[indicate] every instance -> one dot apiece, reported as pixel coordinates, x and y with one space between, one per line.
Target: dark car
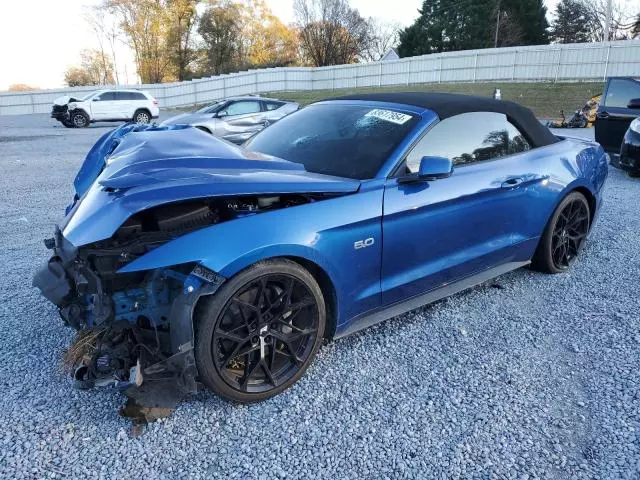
619 106
198 261
629 159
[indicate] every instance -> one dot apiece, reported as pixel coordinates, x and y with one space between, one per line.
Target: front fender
322 232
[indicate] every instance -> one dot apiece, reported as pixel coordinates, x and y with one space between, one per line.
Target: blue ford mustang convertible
184 259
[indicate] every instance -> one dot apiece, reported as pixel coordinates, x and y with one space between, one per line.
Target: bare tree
384 36
144 25
621 20
509 33
106 32
221 31
331 32
94 69
182 16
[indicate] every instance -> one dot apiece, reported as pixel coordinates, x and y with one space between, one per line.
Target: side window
620 91
243 107
272 105
469 137
106 96
213 108
130 96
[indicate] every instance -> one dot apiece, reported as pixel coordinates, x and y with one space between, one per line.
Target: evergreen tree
446 25
572 23
449 25
531 17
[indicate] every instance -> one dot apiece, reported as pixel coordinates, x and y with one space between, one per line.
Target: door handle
512 182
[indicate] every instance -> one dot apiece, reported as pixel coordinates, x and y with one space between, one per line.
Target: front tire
564 235
259 333
80 119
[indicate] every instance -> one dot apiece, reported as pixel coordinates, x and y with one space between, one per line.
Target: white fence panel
555 63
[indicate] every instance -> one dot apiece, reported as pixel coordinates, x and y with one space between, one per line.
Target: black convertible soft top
449 104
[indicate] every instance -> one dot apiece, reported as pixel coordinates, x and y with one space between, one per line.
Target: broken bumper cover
53 282
143 323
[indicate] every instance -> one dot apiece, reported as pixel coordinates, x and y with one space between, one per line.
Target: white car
106 106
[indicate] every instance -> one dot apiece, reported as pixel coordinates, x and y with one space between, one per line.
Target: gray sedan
236 119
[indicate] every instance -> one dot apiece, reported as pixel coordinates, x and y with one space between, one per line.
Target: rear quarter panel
572 164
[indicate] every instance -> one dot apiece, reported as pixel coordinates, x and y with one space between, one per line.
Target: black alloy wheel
564 235
265 334
569 233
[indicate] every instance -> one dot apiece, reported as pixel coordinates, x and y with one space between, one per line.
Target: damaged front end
135 329
120 272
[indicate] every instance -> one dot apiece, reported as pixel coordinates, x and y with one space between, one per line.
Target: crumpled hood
146 167
64 100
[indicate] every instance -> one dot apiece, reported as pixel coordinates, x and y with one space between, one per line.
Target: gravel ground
530 376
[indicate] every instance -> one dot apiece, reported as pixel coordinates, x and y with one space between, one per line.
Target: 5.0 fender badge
367 242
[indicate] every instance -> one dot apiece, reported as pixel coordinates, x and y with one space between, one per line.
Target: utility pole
495 40
607 21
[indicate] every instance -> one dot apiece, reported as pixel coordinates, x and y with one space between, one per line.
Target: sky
56 33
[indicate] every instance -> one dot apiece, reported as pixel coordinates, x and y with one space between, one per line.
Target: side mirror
221 114
634 103
431 168
95 99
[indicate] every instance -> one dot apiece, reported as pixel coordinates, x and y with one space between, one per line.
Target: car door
124 105
614 117
242 113
273 111
441 231
104 106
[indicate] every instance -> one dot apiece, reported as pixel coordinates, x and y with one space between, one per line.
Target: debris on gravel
528 376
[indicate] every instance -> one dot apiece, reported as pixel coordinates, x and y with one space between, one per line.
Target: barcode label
389 116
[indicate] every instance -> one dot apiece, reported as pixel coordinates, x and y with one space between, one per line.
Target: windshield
350 141
87 97
211 108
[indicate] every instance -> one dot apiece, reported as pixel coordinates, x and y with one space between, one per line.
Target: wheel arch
579 187
328 292
319 273
321 270
80 110
591 199
142 109
585 190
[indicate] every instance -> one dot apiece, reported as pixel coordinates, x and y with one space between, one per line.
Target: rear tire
142 116
258 334
564 235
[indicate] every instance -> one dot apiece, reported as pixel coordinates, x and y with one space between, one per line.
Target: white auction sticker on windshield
389 116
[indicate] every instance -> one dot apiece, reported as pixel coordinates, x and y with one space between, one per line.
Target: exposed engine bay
135 329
